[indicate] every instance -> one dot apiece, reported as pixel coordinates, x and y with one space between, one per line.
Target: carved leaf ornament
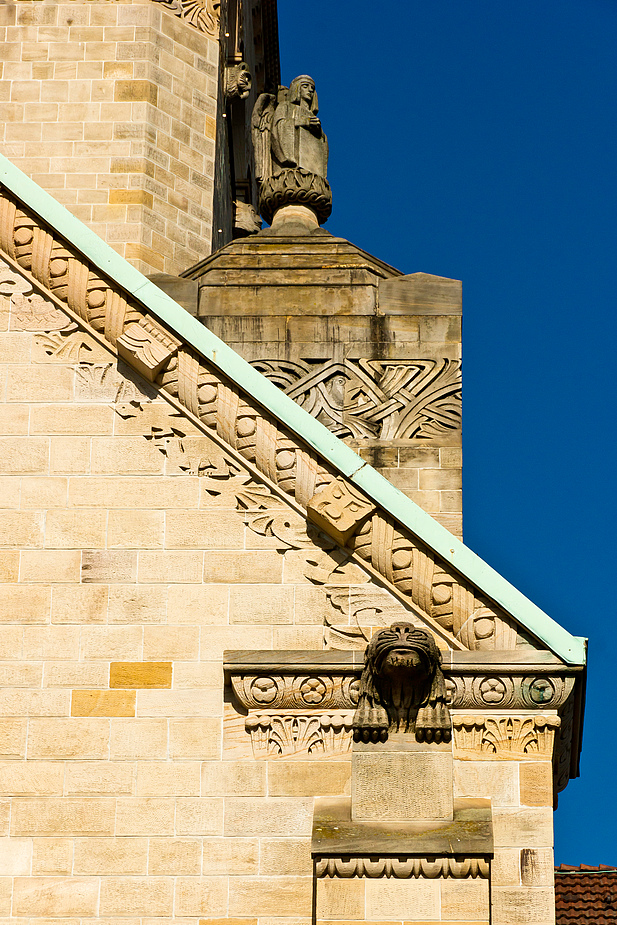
250 432
202 14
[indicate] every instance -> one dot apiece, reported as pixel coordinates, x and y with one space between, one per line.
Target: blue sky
477 139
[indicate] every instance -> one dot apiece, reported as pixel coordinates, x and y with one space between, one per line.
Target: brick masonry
112 108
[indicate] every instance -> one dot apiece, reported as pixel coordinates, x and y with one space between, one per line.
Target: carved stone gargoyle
402 688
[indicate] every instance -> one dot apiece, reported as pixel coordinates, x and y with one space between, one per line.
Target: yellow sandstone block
277 896
137 197
278 856
55 896
195 738
134 90
138 738
145 817
201 895
171 642
136 896
52 856
174 856
15 856
108 856
62 816
536 783
140 674
103 703
99 778
68 738
164 778
236 857
13 738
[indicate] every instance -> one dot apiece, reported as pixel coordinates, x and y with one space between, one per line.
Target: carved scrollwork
275 735
464 691
403 868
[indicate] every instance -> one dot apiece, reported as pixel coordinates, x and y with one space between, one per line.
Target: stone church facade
246 676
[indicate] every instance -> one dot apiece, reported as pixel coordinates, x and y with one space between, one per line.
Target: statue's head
402 687
402 647
302 90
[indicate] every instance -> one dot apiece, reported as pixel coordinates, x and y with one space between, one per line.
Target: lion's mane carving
402 688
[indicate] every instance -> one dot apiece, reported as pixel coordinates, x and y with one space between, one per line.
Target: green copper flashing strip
572 649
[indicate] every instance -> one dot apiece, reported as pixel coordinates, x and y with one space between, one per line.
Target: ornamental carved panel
415 399
202 14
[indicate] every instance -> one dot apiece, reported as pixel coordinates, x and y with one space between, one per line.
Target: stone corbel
520 703
339 511
147 347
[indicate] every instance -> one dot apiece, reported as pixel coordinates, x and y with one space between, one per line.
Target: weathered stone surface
381 779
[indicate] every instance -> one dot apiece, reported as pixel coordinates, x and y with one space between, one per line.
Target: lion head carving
402 688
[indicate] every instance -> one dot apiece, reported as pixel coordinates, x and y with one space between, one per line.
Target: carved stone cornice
536 685
403 868
329 680
460 848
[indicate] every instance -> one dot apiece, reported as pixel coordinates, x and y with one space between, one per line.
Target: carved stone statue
291 150
402 688
246 220
238 81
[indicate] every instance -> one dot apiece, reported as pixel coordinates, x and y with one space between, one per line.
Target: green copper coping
572 649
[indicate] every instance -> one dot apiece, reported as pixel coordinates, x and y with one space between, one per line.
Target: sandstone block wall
112 108
133 552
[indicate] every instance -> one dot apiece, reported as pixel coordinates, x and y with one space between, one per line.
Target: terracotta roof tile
586 895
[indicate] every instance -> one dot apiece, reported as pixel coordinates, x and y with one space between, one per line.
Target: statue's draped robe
293 142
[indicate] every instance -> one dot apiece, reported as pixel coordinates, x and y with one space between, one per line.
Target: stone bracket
147 347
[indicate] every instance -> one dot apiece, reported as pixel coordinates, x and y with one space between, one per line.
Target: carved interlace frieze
280 735
506 736
234 419
202 14
403 868
388 399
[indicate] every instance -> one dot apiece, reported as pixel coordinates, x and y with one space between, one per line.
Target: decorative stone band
403 868
272 681
202 14
284 691
295 186
276 735
303 702
505 736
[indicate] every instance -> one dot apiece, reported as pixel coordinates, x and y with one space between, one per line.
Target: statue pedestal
401 780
